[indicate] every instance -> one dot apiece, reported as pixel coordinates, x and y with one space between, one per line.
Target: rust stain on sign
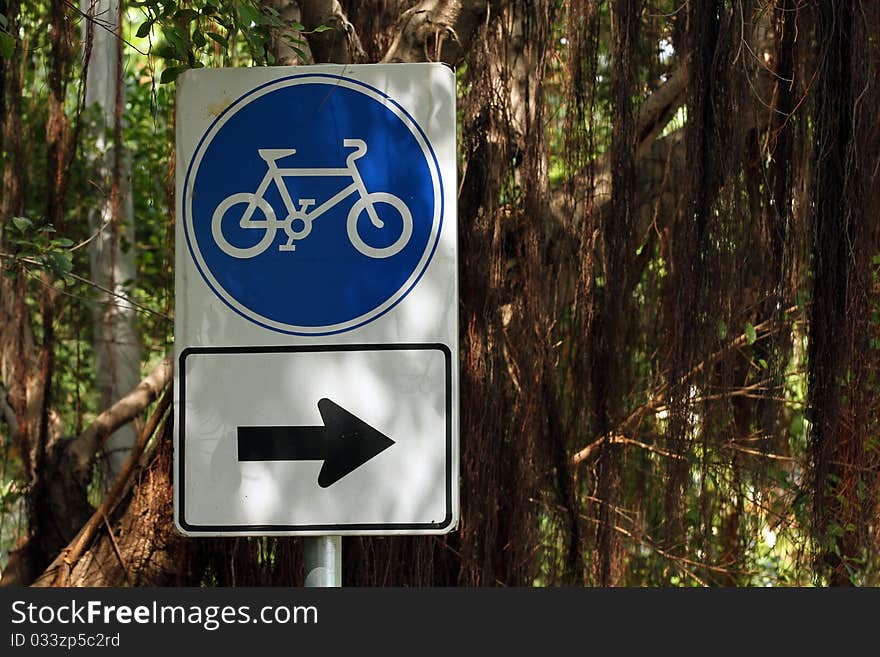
216 109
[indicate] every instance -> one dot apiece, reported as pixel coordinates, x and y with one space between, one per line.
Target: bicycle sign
316 383
298 222
313 204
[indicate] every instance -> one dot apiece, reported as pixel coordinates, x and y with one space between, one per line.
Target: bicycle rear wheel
267 224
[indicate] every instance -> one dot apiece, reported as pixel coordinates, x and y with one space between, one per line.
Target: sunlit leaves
170 74
40 247
199 33
751 334
7 45
7 41
144 29
23 224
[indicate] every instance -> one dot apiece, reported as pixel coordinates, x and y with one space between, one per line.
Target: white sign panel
316 387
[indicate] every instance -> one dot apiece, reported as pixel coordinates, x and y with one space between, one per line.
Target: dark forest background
670 287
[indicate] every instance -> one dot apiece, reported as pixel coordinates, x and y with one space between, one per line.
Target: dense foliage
670 277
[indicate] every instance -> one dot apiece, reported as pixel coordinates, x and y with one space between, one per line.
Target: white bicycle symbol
298 222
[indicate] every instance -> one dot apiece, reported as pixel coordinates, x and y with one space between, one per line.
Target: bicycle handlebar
360 147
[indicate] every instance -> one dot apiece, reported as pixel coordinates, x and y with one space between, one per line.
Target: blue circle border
232 107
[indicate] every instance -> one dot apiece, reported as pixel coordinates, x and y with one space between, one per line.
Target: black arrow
344 443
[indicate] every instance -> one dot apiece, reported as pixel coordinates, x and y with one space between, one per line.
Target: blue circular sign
313 204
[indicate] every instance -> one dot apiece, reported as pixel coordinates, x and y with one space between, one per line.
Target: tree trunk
112 251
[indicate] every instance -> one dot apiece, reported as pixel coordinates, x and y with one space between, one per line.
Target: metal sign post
323 561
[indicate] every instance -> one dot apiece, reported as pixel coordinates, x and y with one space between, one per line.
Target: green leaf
144 29
322 28
219 39
299 53
168 7
22 223
198 38
762 363
293 41
248 15
7 45
722 329
3 21
60 262
62 243
170 74
751 335
173 36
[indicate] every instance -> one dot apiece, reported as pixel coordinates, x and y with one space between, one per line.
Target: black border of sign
445 524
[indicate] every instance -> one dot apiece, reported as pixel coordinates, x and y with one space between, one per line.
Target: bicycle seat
272 154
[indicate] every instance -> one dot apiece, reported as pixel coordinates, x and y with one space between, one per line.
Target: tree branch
81 449
659 109
69 471
762 330
57 573
656 113
338 45
437 30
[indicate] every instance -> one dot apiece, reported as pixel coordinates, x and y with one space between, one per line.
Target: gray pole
323 560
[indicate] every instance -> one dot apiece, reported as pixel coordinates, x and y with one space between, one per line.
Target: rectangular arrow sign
351 439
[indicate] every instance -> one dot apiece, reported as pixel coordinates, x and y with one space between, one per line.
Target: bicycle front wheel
374 199
267 224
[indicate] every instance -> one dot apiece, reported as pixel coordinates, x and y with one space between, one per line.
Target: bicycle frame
277 175
297 224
